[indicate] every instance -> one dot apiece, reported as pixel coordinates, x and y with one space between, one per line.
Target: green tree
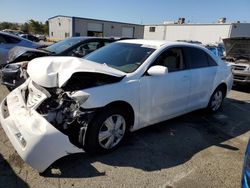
36 27
25 27
8 25
46 27
32 26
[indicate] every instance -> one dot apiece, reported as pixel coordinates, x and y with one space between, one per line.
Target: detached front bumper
37 141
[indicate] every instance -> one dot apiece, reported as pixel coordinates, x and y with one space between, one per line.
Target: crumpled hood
56 71
18 51
237 47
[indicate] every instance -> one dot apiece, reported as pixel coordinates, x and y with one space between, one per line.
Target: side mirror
157 70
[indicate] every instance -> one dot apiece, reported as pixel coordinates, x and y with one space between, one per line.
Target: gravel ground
194 150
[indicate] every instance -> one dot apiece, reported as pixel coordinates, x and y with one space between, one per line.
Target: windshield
63 45
125 57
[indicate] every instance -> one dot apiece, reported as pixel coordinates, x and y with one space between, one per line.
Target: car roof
87 37
15 36
157 43
9 34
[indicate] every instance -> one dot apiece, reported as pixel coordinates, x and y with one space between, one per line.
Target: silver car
8 41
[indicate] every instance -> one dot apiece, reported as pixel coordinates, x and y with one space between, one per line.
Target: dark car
14 73
30 37
238 56
9 41
245 182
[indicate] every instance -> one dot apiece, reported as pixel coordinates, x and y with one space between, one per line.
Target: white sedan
71 105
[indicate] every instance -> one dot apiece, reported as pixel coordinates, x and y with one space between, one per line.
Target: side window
84 49
92 46
197 57
107 42
171 58
211 61
2 40
11 40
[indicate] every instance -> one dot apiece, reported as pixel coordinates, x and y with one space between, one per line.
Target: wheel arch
126 107
223 86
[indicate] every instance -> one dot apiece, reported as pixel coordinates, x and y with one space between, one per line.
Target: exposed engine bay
62 110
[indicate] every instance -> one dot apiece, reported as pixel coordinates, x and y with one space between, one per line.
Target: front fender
127 91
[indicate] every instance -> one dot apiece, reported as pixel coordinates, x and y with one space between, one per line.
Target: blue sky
132 11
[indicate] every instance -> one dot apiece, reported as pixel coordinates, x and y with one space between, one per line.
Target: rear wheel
216 100
107 131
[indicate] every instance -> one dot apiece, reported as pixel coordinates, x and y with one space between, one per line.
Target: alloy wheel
112 131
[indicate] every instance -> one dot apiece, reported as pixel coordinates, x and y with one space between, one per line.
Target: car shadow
242 87
164 145
8 178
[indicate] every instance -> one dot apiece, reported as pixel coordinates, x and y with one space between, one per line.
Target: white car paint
184 91
41 138
55 71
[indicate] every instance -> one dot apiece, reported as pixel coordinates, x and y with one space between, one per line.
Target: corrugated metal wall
205 33
60 27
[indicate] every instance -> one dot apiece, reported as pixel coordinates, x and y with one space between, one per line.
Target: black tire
216 100
97 126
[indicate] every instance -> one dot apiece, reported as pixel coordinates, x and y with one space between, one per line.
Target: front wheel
107 131
216 100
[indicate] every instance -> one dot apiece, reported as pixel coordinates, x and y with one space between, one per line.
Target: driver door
165 96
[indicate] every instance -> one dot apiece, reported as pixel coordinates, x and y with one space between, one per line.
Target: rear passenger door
203 71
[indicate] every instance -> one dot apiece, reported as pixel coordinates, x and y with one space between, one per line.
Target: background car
8 41
73 104
14 73
191 41
30 37
245 182
218 50
41 37
238 56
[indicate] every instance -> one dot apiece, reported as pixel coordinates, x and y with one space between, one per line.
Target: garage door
95 27
128 32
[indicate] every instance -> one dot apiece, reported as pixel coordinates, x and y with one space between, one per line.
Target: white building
205 33
61 27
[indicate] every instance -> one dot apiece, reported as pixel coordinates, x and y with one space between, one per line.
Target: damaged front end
44 125
63 110
44 118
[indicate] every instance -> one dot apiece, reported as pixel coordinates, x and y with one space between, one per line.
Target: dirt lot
194 150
